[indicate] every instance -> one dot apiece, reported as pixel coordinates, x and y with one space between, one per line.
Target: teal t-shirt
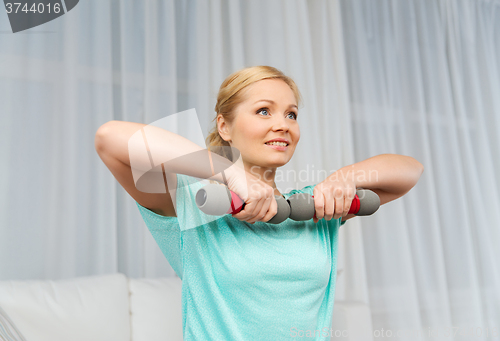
248 282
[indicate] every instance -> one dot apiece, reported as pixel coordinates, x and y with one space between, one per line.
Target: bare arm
115 141
389 175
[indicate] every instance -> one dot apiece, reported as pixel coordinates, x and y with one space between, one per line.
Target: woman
244 279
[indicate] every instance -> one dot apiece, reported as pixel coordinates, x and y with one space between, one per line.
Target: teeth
282 144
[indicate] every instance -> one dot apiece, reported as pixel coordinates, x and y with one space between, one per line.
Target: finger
246 212
339 207
315 219
250 204
270 208
348 202
264 199
329 206
349 197
261 216
272 211
243 214
319 202
257 212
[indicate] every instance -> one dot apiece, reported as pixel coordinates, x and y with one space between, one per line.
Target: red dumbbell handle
237 204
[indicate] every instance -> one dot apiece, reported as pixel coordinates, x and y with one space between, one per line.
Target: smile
277 145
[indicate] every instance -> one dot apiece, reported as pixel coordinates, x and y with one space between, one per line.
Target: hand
333 197
260 203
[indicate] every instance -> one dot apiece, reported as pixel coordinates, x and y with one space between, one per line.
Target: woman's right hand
260 203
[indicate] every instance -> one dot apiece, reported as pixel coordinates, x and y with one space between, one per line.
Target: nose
280 123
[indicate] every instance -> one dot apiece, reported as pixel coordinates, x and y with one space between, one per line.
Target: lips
279 140
278 146
277 143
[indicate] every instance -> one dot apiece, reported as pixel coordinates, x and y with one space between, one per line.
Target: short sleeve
188 214
167 231
167 234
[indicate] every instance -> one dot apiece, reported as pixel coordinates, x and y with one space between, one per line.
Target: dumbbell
219 200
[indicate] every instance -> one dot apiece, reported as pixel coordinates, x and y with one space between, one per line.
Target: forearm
390 173
145 148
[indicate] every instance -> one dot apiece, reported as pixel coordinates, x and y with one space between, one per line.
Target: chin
277 163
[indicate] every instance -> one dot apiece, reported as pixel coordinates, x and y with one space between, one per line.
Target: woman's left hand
333 197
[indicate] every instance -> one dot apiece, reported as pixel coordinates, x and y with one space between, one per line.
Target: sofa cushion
86 308
8 330
156 309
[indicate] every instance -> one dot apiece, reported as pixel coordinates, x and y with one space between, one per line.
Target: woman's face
268 112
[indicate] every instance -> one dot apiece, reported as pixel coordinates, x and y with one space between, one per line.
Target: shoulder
307 189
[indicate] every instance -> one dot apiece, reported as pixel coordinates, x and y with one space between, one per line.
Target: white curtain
412 77
424 79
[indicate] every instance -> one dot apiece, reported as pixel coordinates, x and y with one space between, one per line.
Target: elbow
412 172
418 169
100 136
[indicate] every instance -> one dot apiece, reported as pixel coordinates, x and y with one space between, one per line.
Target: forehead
274 89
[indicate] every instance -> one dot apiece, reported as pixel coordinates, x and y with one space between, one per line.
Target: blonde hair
231 95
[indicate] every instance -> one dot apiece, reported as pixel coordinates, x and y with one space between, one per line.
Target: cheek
297 135
254 132
247 134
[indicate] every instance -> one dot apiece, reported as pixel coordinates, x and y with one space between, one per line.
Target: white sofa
115 308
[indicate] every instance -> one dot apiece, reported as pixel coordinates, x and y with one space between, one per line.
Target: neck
264 174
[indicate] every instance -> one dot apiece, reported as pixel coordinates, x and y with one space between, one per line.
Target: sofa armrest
78 309
156 309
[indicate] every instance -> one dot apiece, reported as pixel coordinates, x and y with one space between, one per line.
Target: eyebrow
272 102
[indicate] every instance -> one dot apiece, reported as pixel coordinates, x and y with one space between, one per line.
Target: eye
294 115
261 110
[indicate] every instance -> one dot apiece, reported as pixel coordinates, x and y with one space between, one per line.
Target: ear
223 128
